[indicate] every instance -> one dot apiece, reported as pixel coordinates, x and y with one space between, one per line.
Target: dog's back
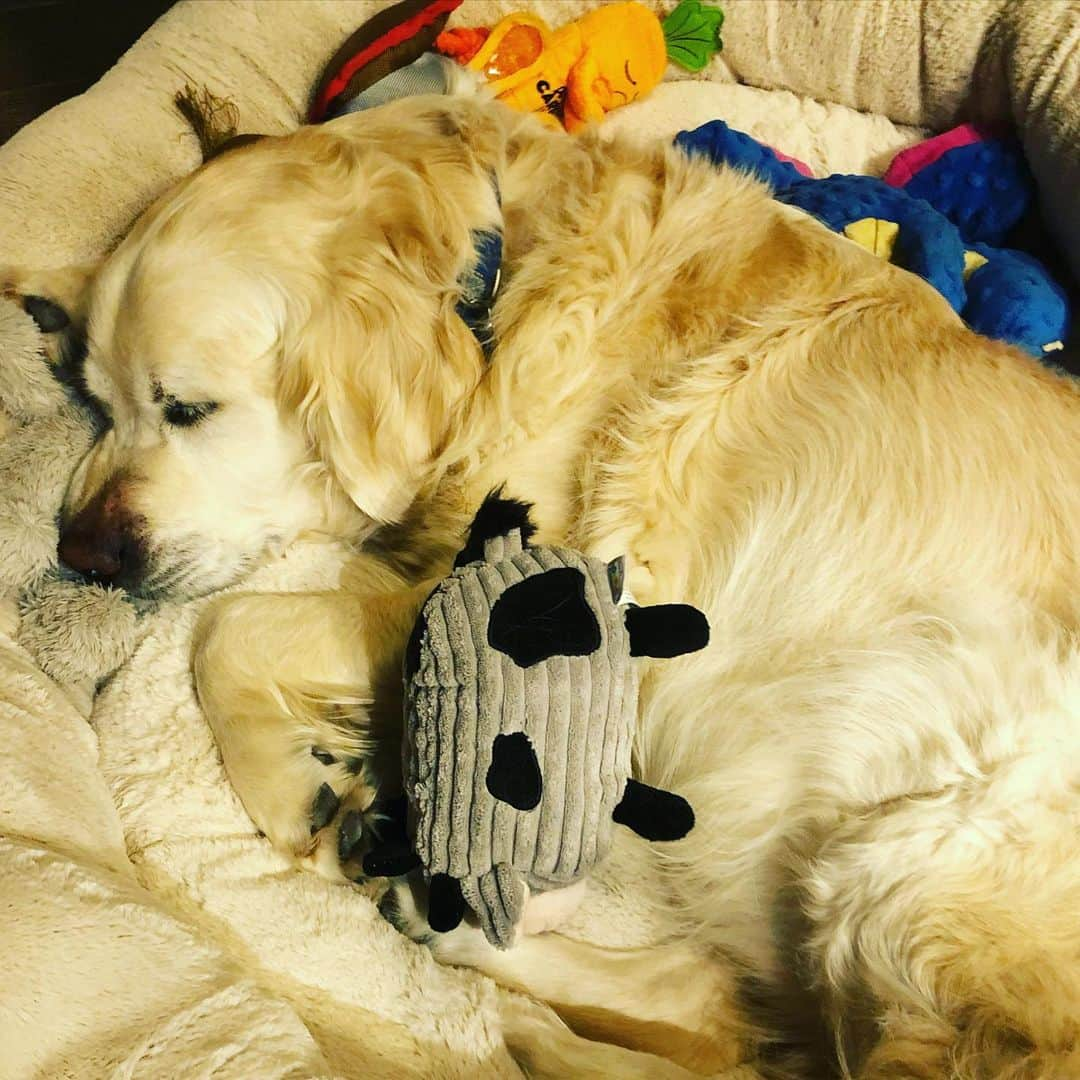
878 510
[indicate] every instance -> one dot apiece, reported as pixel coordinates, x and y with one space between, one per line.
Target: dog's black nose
99 558
99 544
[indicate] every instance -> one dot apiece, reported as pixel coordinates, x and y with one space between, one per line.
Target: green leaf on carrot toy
692 33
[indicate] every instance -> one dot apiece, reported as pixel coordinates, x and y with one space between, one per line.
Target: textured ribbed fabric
577 712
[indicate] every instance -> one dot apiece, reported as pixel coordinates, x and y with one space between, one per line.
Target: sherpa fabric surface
148 930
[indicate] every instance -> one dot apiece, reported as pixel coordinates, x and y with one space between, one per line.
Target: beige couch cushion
71 182
933 63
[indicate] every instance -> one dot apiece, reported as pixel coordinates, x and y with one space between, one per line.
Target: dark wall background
54 49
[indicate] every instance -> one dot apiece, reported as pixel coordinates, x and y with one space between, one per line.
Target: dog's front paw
330 816
313 802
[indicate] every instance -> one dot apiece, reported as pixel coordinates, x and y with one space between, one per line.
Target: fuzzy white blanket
147 930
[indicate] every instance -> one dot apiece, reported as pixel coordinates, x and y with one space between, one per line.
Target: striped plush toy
521 698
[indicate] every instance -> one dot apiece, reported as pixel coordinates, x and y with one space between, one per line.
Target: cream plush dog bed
148 931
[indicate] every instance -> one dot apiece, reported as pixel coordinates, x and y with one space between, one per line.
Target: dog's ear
375 386
377 364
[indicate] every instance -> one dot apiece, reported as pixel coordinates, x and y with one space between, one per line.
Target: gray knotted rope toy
521 700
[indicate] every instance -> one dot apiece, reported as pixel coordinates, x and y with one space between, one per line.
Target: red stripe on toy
401 32
799 166
910 162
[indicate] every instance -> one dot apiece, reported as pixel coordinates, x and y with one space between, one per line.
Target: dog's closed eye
187 413
182 413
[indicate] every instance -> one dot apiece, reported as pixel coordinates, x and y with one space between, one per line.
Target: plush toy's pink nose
100 541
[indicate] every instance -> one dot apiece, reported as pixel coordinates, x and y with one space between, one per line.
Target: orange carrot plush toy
576 74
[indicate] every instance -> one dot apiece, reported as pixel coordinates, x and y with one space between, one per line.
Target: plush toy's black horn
497 516
666 630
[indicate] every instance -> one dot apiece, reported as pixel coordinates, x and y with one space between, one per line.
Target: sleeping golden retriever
876 508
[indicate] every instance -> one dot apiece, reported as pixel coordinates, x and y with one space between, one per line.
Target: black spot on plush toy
521 698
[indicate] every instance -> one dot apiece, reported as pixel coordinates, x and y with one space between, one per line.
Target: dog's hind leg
547 1049
673 1001
944 930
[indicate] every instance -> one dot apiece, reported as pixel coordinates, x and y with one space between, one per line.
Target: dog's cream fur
876 508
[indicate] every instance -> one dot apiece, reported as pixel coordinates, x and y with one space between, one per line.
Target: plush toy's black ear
514 775
446 905
653 813
543 616
497 516
666 630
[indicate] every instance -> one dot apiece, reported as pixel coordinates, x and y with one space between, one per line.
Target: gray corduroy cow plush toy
521 699
78 633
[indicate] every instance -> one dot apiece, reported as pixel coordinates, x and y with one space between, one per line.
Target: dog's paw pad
350 834
323 756
50 317
323 808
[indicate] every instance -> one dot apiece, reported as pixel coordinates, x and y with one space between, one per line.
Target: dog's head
275 349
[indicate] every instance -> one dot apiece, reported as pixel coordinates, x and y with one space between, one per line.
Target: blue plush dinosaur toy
1000 293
